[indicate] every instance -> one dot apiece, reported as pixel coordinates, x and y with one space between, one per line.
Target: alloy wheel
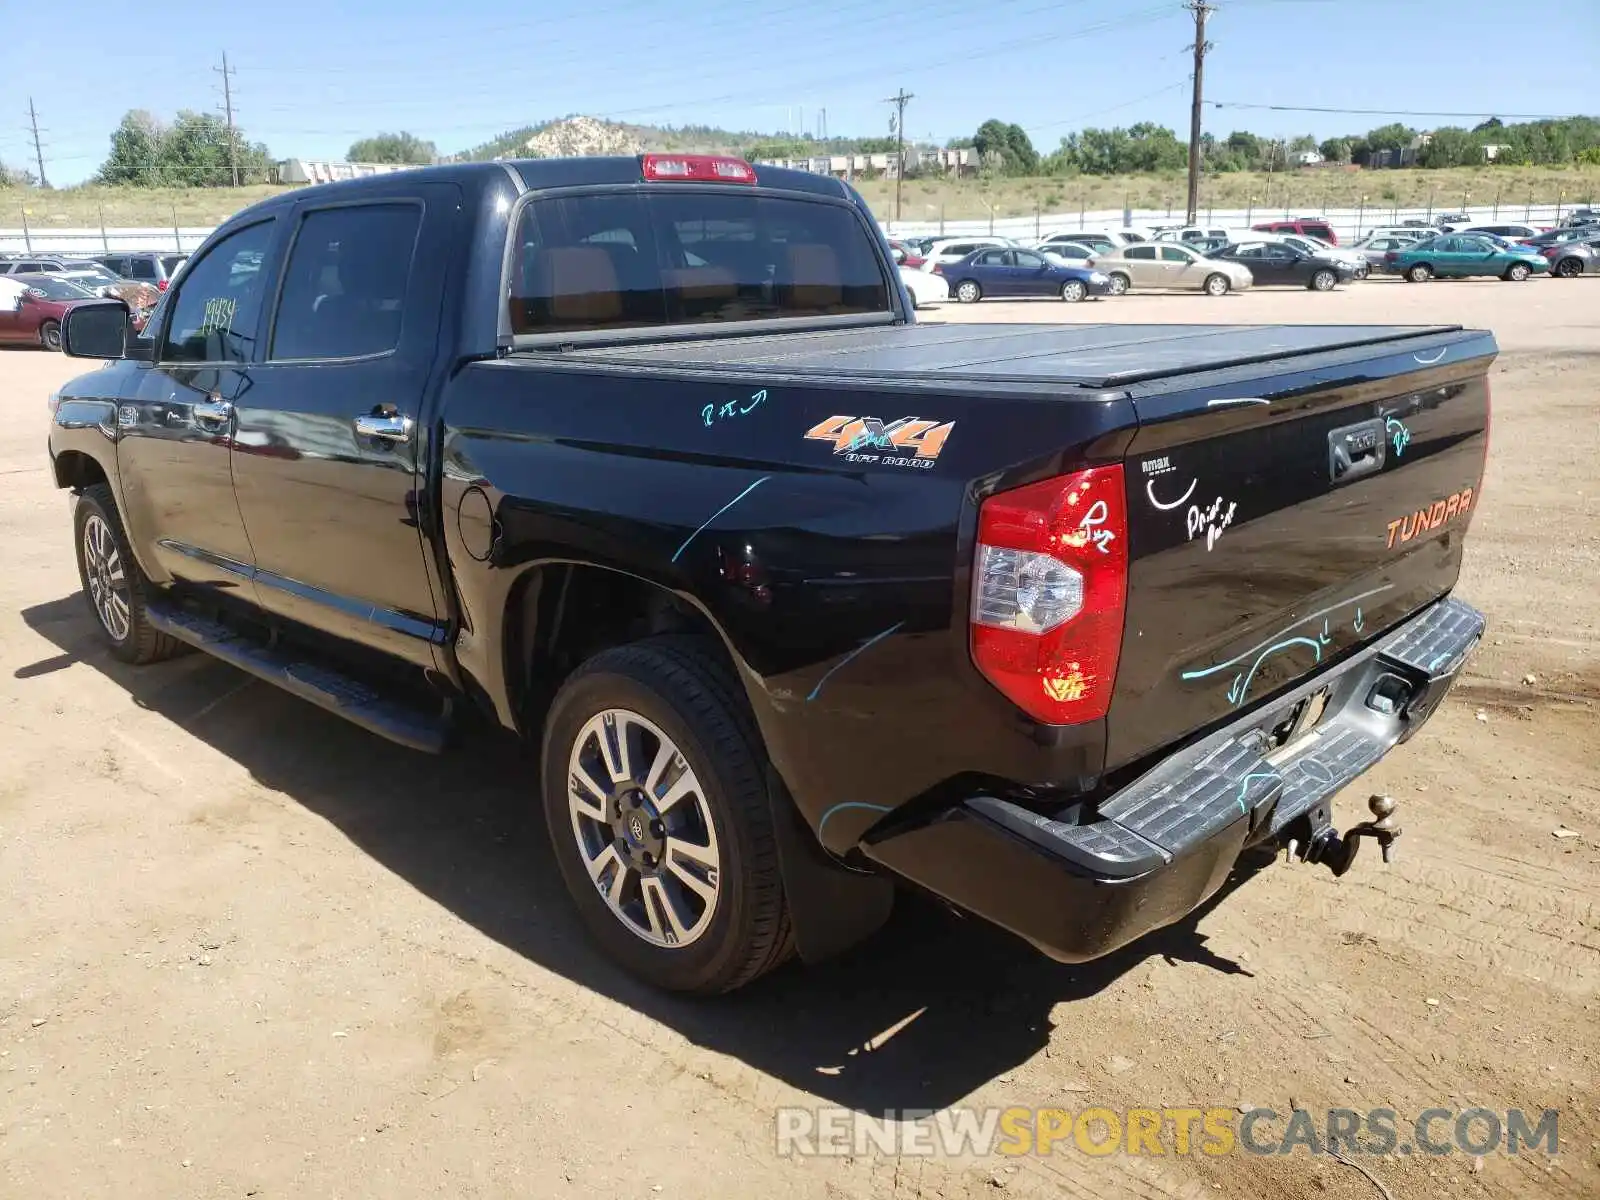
643 826
108 582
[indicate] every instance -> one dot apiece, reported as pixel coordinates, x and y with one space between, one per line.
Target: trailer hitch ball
1325 845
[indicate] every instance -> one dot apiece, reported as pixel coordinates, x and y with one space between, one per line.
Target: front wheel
1516 273
50 335
1323 281
1569 268
113 584
968 291
660 819
1120 284
1216 285
1073 291
1420 273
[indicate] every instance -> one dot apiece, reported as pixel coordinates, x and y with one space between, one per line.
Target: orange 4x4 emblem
868 434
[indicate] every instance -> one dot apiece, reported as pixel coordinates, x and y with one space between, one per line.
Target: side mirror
96 329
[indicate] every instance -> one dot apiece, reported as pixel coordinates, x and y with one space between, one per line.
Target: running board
323 686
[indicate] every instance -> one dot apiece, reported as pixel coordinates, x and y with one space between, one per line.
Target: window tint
345 283
1142 252
1173 254
214 317
660 257
1023 259
994 258
141 268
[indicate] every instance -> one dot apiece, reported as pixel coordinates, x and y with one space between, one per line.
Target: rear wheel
1073 291
113 584
1569 268
1516 273
660 820
50 335
1120 283
1420 273
968 291
1323 281
1216 285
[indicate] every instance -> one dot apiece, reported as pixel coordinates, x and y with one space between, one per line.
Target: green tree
393 148
135 157
1390 137
194 151
1450 146
1335 149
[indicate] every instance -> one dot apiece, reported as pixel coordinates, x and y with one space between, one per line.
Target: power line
1396 112
1201 11
900 99
227 102
38 149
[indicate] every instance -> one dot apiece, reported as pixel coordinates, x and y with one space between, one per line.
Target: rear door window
1144 252
142 268
662 257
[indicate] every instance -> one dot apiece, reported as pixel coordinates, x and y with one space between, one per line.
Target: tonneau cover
1095 356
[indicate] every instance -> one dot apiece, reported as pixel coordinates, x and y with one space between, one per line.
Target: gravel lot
248 950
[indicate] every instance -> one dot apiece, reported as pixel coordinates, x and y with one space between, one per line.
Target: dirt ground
248 950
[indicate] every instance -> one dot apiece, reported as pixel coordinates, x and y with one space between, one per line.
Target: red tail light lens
161 285
697 168
1049 590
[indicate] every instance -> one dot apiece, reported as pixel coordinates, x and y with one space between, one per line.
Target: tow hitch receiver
1324 844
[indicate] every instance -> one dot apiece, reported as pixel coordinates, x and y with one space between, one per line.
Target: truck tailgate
1280 521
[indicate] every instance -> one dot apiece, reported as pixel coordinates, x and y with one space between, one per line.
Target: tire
1073 290
1120 284
968 291
1420 273
1568 268
1516 273
1323 281
1215 285
666 693
107 568
1363 270
50 335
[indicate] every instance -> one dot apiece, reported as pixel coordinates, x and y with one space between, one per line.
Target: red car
1305 227
36 320
905 256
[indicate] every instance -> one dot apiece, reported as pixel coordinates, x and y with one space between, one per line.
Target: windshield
54 288
676 257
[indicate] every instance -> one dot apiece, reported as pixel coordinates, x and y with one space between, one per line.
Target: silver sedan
1164 265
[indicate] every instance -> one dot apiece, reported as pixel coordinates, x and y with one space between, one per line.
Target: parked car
1200 233
1566 233
1511 233
47 264
1572 258
1164 265
1277 262
962 555
905 254
1451 219
1071 252
43 306
1306 244
1580 217
1306 226
1375 247
998 273
1458 255
1096 239
953 250
145 267
925 287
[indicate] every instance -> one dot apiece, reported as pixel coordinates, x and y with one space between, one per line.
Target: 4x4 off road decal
908 442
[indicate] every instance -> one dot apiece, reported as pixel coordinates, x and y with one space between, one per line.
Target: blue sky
312 77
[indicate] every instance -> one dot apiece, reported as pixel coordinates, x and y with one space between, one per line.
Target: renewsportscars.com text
1214 1131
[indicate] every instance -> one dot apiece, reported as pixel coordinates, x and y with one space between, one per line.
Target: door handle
211 412
385 426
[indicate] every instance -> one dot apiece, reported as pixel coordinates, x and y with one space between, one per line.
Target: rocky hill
580 137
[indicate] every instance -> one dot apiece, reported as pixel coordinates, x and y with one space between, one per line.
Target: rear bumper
1160 846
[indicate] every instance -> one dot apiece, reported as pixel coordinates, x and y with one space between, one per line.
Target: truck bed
1086 356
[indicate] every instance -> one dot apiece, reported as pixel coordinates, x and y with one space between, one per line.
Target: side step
322 685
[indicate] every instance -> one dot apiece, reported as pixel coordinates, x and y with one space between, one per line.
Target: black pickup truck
647 459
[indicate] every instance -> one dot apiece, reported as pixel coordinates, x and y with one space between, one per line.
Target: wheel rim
1568 267
1419 274
643 827
1324 281
51 335
968 292
108 581
1519 272
1072 292
1119 285
1216 285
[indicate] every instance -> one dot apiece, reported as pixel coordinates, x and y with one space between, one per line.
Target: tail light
1049 588
938 268
697 168
161 284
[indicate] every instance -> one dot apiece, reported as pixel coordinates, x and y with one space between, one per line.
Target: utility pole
1201 11
900 99
38 149
227 104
